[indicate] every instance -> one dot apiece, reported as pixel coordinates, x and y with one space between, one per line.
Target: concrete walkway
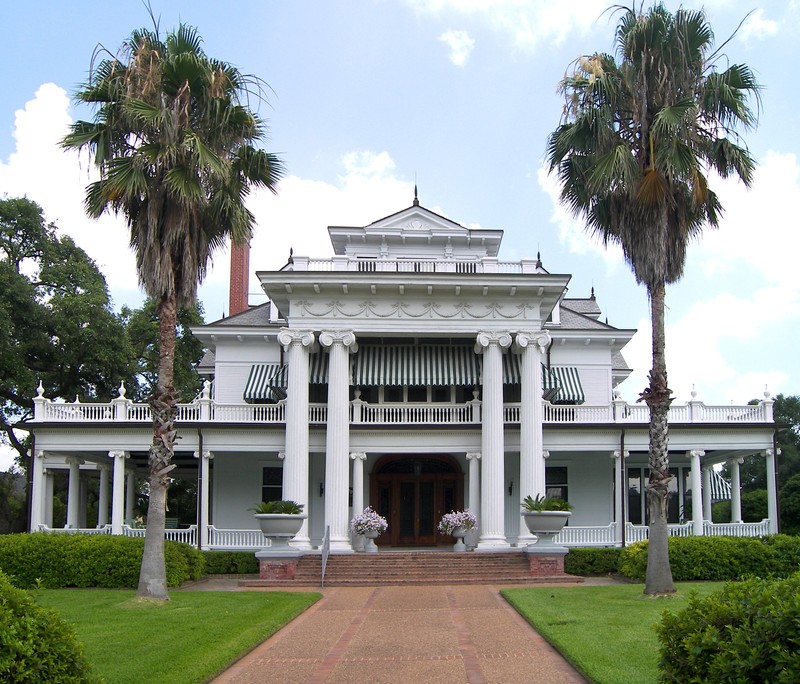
426 634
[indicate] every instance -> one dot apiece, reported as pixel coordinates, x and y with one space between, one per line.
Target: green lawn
606 632
194 636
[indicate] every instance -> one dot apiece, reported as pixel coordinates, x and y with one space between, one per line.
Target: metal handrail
326 551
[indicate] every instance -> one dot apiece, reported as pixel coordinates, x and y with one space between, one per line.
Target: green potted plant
280 521
545 516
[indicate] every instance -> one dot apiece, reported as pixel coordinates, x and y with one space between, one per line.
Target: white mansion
417 373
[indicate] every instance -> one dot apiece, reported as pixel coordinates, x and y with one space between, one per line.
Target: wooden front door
413 502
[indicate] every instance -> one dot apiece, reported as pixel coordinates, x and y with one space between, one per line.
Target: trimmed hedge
36 645
89 560
748 632
719 558
230 562
592 562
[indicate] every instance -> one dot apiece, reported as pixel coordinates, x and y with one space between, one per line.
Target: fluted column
474 493
340 343
697 493
204 494
130 494
772 491
38 491
102 498
707 493
118 491
531 346
493 534
297 344
736 489
73 492
49 484
618 459
358 458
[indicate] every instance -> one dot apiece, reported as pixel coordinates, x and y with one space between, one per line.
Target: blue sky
371 95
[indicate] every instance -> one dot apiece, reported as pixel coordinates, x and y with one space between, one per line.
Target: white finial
617 393
206 389
77 399
766 393
694 393
121 389
40 389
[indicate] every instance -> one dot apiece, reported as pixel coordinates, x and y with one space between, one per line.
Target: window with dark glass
272 483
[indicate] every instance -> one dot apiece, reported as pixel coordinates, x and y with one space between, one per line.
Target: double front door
413 504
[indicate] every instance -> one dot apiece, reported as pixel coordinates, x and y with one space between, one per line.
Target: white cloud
460 44
572 231
526 24
56 180
756 27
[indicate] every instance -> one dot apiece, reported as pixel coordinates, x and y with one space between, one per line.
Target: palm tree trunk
153 574
657 396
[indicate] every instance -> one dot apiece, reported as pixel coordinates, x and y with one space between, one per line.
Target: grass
606 632
190 639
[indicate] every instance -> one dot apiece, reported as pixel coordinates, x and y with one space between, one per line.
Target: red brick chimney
240 278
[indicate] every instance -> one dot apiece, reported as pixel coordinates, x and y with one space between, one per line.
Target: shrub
592 562
748 632
230 562
36 645
719 558
81 560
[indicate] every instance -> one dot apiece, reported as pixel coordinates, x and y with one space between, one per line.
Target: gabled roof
257 316
573 320
415 224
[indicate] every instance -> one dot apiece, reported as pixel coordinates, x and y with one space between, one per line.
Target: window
555 482
272 483
679 499
392 394
417 393
440 394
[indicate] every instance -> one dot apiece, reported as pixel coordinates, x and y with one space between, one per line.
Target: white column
49 484
297 344
772 493
697 493
38 492
340 343
618 460
73 492
130 494
736 489
493 533
205 499
102 499
118 491
531 462
358 459
707 493
474 494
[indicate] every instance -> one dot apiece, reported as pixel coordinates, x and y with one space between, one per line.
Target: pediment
416 220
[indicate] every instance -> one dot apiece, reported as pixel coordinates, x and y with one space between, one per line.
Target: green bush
719 558
748 632
230 562
592 562
83 560
36 645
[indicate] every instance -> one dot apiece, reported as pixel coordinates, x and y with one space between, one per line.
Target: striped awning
318 368
720 487
266 382
397 365
512 375
570 390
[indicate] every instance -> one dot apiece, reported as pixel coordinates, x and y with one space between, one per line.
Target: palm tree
633 152
173 140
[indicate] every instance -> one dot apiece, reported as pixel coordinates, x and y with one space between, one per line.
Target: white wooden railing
601 535
227 539
207 410
466 266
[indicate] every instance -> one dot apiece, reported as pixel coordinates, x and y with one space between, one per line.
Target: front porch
571 536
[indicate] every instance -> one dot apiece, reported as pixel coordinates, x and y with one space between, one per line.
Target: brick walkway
448 634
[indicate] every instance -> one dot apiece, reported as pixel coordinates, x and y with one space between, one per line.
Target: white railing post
39 403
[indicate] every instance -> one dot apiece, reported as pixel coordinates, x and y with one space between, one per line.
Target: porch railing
601 535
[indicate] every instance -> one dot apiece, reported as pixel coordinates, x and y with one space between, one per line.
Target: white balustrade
416 413
743 529
601 535
235 539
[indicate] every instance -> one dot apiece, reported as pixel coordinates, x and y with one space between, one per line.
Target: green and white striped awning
512 375
266 382
318 368
570 390
397 365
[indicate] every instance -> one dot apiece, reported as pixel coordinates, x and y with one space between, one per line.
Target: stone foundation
546 562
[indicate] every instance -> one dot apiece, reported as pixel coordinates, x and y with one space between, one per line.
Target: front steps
413 568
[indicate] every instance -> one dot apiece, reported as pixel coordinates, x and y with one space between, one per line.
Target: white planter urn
369 537
545 525
458 534
280 529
